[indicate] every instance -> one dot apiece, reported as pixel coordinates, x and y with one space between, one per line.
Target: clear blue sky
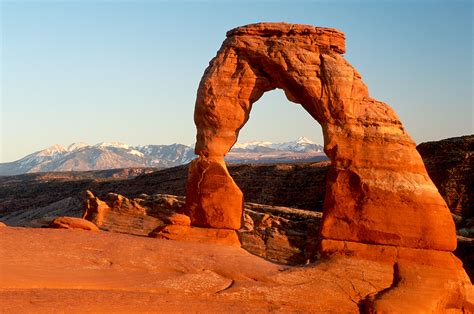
128 70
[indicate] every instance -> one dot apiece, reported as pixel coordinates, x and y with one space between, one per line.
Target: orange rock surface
72 223
195 234
378 189
104 272
217 201
380 203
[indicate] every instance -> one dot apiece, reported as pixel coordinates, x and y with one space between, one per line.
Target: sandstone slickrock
196 234
72 223
375 165
110 272
2 224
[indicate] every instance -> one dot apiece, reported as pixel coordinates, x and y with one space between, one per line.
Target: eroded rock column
215 200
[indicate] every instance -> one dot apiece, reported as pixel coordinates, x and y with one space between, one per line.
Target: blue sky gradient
128 70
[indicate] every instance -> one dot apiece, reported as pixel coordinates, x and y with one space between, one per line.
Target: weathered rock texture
118 214
450 164
72 223
378 190
380 203
280 234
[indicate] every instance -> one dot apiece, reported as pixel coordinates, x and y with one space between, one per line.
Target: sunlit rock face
380 203
378 191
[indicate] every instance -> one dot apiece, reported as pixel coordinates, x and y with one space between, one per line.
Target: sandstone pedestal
214 199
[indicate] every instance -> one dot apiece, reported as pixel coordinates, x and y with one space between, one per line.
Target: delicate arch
378 190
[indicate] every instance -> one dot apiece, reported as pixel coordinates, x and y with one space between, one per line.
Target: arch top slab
323 37
378 191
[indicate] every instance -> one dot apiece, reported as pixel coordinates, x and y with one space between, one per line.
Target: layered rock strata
280 234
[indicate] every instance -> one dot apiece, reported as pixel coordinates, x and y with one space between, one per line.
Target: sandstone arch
378 191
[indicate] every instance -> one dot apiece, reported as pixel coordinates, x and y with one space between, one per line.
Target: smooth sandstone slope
51 271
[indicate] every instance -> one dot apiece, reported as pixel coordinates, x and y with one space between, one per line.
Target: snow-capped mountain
109 155
300 145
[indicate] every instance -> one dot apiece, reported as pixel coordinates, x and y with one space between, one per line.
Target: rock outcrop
118 214
375 164
380 203
450 164
72 223
280 234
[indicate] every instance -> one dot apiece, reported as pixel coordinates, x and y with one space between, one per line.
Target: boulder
73 223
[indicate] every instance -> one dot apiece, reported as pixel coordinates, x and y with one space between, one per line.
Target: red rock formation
72 223
117 213
380 203
211 185
378 188
94 208
51 270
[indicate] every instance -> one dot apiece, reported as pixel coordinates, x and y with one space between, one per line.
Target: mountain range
113 155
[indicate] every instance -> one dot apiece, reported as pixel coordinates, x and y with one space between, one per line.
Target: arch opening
277 145
274 119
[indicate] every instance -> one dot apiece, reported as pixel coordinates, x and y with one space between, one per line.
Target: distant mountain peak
304 140
76 146
52 150
112 144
